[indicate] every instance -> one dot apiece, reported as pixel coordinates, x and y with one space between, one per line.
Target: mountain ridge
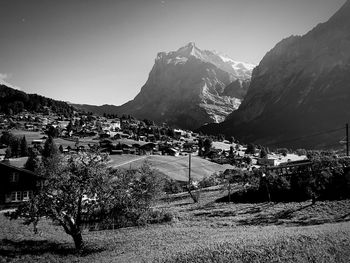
300 87
189 87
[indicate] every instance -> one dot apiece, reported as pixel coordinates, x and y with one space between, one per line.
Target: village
129 142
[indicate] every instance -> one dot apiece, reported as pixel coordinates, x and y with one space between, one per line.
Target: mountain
13 101
188 88
300 88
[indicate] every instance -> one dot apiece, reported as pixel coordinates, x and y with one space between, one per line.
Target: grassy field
31 135
204 232
175 167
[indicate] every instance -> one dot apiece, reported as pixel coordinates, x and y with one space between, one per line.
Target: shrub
209 181
172 186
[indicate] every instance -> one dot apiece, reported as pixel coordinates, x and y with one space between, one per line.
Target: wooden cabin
17 185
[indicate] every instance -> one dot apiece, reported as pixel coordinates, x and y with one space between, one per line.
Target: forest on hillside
13 101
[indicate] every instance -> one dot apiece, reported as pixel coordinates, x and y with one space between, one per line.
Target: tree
24 147
52 131
61 148
200 147
207 145
283 151
8 153
6 138
250 149
221 137
15 145
74 188
231 151
50 148
232 139
263 153
33 161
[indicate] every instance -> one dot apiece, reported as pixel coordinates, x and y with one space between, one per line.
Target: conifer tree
24 147
50 148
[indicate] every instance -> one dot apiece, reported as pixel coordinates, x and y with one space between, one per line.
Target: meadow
203 232
174 167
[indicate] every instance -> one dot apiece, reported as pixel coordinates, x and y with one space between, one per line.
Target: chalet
171 152
38 142
148 148
106 143
267 161
17 185
115 125
289 168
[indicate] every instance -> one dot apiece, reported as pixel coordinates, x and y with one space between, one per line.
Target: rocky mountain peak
189 87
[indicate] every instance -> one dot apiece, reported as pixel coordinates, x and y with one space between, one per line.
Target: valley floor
204 232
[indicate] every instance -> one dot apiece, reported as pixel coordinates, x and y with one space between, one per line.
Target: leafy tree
69 126
6 138
232 139
24 147
73 189
301 152
131 195
283 151
263 153
52 131
207 145
221 137
231 151
60 148
8 153
250 149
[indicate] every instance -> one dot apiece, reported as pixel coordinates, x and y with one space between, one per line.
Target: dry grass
204 232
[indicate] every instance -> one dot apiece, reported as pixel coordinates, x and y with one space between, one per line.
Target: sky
101 51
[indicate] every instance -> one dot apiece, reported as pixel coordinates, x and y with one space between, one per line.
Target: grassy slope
31 135
204 232
174 167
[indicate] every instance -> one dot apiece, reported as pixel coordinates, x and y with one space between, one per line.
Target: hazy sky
101 51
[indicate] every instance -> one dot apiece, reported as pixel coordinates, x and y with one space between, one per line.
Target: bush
172 186
133 193
209 181
157 217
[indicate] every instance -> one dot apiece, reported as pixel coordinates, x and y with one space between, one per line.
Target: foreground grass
204 232
320 247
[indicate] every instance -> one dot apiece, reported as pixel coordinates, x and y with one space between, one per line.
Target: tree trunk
78 240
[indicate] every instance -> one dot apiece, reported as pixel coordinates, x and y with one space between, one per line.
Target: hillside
13 101
187 88
301 87
204 232
175 168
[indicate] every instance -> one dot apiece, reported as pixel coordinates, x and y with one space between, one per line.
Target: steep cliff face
190 87
301 86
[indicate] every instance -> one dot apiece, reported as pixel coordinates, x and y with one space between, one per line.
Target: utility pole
195 199
189 169
347 139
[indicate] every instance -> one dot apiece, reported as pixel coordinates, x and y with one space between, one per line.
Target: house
17 185
38 142
295 167
148 148
267 161
115 125
171 152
